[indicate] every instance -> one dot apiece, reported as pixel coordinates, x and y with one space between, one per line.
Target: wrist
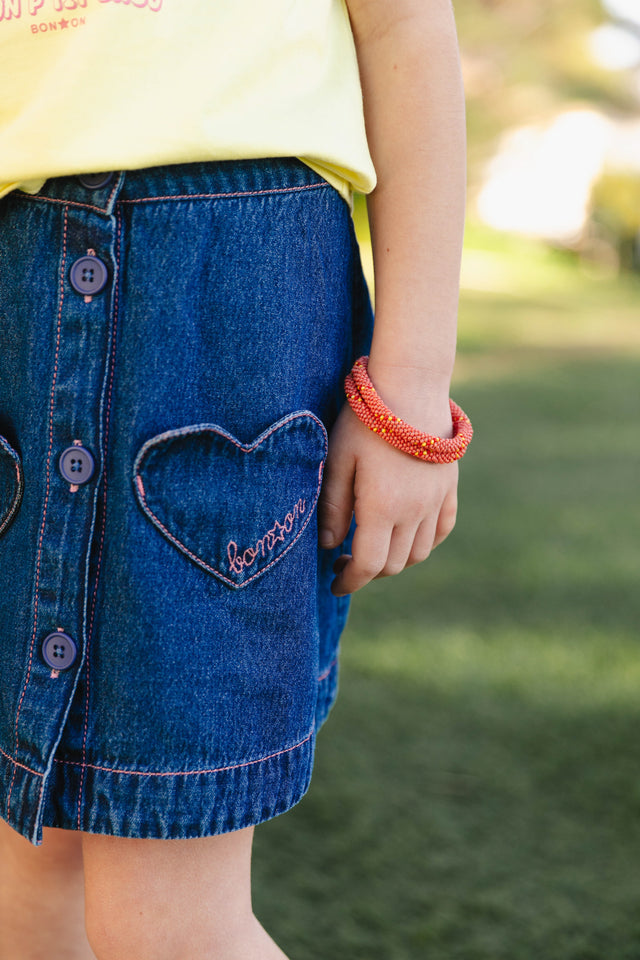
370 407
417 394
420 353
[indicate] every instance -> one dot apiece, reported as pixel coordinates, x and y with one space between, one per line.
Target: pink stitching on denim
46 499
23 766
66 203
16 497
185 431
323 676
207 566
139 483
238 562
222 196
114 190
185 773
248 448
112 361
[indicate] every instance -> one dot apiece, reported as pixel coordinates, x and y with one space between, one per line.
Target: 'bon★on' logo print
23 9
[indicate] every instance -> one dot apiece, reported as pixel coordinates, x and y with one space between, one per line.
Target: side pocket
11 484
235 509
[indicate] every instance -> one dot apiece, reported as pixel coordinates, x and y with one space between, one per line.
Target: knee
105 932
165 899
117 934
121 924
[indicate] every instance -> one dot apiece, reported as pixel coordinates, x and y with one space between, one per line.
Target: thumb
335 506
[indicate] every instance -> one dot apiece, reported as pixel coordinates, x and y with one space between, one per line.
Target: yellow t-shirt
93 85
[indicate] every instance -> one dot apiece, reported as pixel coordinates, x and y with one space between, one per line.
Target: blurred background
476 794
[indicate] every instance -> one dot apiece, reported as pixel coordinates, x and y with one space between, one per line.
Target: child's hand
403 507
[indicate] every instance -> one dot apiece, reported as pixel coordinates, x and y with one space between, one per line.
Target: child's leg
173 899
42 897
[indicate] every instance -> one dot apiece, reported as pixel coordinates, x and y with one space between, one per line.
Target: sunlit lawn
476 793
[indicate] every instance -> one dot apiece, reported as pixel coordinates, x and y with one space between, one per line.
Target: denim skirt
173 343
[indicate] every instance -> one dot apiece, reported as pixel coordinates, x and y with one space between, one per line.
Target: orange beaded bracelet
373 412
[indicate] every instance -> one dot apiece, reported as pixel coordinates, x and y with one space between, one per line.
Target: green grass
476 794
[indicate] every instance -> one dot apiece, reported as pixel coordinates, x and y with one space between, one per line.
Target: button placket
81 347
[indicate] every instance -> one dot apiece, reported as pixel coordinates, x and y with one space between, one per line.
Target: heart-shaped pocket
11 483
233 508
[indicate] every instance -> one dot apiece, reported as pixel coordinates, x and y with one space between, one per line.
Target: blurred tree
526 60
615 219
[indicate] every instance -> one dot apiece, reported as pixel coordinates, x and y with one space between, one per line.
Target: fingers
423 543
380 551
447 517
335 505
369 555
429 535
403 508
400 547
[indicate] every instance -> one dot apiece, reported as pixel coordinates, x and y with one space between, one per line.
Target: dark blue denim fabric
203 379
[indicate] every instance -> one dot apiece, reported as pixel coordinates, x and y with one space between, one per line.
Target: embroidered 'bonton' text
238 560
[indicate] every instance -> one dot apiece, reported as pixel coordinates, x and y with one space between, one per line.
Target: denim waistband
205 179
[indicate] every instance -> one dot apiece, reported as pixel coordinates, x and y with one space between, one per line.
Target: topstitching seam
181 196
17 497
112 360
185 773
46 499
223 196
325 674
23 766
67 203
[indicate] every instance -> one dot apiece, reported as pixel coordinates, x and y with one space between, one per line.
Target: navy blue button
76 464
59 650
93 181
88 275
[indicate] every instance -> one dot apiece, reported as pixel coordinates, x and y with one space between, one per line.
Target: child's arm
415 117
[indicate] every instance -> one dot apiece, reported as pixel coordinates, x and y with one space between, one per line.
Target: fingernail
326 538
